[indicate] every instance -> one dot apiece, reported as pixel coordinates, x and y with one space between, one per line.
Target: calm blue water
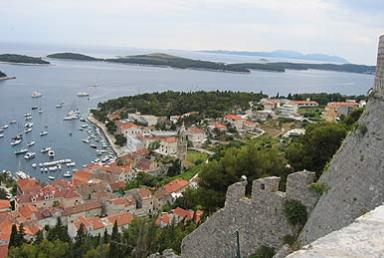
61 81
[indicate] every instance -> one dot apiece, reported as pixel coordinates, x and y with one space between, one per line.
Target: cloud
349 28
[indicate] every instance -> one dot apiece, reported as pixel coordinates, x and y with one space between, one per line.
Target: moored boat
71 115
67 174
45 150
51 178
51 153
21 151
30 155
83 94
31 143
36 94
43 133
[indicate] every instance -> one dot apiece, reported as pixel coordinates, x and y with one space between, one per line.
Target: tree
175 168
21 234
114 246
39 237
121 140
14 238
106 237
3 194
79 247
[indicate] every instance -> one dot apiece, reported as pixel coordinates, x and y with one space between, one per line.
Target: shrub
319 188
295 212
263 252
363 129
289 239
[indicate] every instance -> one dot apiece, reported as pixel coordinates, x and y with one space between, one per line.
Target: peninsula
165 60
21 59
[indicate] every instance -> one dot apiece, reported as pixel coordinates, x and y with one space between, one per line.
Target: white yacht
67 174
83 94
21 175
28 125
30 155
31 143
1 135
21 151
5 126
72 115
16 141
27 130
36 94
13 122
51 178
43 133
46 149
51 153
34 165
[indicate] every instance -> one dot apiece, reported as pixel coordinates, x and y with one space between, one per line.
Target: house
5 206
169 193
128 128
134 143
270 104
88 209
217 127
335 110
28 212
197 136
5 233
122 219
179 215
144 201
168 146
262 115
115 205
287 111
27 185
163 220
235 120
304 103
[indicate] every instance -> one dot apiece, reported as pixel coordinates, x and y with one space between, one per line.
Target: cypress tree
14 239
114 246
21 234
106 237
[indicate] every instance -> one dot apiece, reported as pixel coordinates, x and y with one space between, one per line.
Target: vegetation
121 140
207 104
295 212
72 56
21 59
319 188
264 252
324 98
141 239
159 59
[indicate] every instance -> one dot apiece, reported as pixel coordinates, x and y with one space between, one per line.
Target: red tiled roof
82 207
342 104
165 218
175 186
27 211
312 102
196 130
89 223
219 126
232 117
118 185
187 214
31 228
28 184
168 139
82 176
125 125
121 218
144 193
4 204
3 251
123 201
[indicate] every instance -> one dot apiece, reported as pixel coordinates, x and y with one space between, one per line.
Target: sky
346 28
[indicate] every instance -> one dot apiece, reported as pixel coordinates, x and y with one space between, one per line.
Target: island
22 59
4 77
165 60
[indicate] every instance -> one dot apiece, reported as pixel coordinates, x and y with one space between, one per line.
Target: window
262 186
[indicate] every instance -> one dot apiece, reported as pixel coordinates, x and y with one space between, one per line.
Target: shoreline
7 78
119 151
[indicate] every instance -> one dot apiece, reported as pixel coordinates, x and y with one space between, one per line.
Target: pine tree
114 247
14 239
21 234
106 237
39 237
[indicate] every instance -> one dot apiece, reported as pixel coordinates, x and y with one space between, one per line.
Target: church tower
182 145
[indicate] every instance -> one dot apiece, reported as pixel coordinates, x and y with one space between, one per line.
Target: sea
61 81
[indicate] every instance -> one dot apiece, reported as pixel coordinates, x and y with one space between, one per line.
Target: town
167 150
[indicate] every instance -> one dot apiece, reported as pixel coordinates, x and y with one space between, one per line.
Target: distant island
286 54
164 60
21 59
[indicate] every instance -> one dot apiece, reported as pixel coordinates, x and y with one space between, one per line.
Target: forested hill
21 59
211 104
159 59
2 74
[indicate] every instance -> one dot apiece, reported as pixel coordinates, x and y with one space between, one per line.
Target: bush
289 239
263 252
363 129
319 188
295 212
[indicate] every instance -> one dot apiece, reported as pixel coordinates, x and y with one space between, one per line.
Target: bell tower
182 145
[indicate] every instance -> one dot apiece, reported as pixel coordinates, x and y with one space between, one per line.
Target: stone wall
260 219
355 177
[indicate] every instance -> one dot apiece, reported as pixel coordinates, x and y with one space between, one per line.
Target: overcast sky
347 28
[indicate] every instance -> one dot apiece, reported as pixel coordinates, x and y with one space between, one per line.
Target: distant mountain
286 54
21 59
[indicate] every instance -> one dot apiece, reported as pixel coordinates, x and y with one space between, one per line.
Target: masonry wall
260 219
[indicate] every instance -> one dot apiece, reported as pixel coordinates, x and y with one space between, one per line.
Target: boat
93 146
82 119
27 114
28 125
51 153
13 122
28 130
36 94
72 115
40 111
46 149
15 142
1 135
84 125
5 126
35 107
42 133
83 94
71 164
52 169
21 151
67 174
59 105
34 165
31 143
51 178
85 140
21 175
30 155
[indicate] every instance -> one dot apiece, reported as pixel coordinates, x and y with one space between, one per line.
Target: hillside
72 56
21 59
165 60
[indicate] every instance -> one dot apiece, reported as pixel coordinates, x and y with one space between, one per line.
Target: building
235 120
182 146
144 201
169 193
168 146
335 110
197 136
304 103
287 111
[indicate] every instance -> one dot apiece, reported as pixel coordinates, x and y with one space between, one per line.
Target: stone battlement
259 219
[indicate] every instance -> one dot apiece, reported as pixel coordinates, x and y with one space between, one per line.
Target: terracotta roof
312 102
233 117
175 186
125 125
121 218
28 184
144 193
82 176
219 126
123 201
249 123
118 185
3 251
168 139
195 130
198 215
4 204
27 211
165 218
90 223
82 207
187 214
31 228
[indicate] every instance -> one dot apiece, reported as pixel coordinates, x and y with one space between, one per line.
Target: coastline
7 78
119 151
26 64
